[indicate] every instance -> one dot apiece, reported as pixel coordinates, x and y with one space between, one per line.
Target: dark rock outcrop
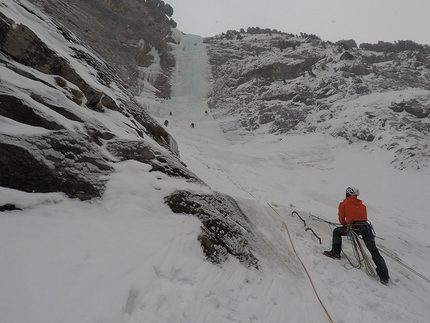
9 207
21 170
225 227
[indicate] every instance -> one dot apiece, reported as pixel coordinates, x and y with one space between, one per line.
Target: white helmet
352 191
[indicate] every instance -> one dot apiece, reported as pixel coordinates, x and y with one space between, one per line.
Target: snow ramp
296 283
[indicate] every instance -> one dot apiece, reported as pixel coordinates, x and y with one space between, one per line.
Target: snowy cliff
65 113
107 216
281 83
134 36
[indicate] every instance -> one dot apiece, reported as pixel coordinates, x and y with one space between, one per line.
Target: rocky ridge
283 83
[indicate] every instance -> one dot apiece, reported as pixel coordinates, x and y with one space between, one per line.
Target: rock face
131 35
62 108
299 84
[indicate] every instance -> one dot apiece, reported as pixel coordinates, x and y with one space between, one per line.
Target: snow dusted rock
61 106
225 227
145 153
134 36
300 84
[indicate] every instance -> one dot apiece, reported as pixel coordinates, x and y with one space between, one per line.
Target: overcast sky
365 21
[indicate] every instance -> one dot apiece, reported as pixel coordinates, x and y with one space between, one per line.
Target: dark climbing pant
365 230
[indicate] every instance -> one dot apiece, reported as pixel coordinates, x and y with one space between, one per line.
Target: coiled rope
360 255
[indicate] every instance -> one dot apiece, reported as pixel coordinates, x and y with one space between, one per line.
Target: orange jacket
352 209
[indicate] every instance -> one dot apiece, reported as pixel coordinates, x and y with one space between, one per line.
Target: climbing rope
406 266
303 265
317 218
360 254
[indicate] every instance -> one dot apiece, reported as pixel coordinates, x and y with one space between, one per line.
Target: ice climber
353 216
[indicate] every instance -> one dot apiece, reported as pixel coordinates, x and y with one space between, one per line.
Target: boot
331 254
385 281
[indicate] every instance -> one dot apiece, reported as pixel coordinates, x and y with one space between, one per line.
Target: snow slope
127 258
308 174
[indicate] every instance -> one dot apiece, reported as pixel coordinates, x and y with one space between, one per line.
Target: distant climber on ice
166 123
353 216
192 125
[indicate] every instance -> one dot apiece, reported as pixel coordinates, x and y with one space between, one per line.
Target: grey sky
365 21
